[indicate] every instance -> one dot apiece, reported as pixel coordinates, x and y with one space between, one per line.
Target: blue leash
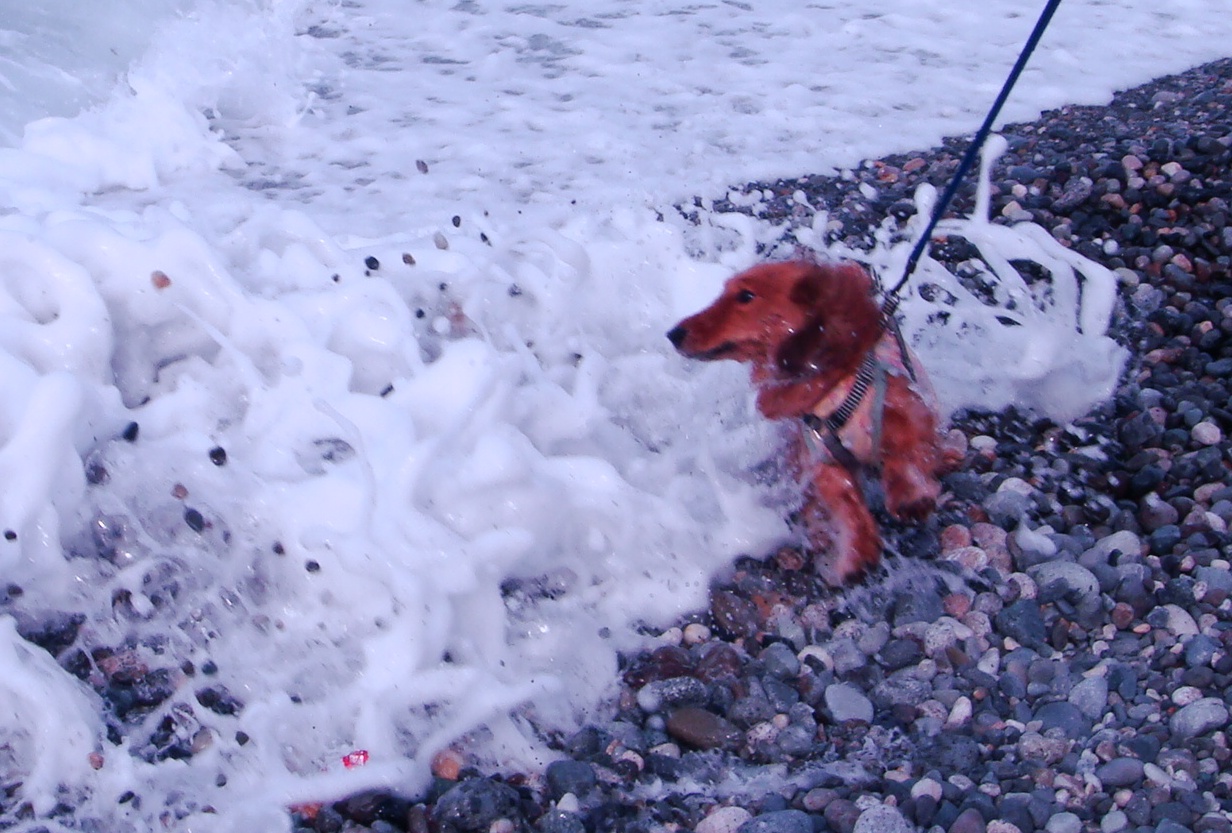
867 371
981 135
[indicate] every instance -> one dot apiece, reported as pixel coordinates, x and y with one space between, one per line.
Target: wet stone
780 821
881 818
1120 772
780 660
1199 717
1065 716
559 821
846 702
568 776
473 805
733 614
674 691
702 729
1023 622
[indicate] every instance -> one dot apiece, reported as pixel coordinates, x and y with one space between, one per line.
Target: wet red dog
805 328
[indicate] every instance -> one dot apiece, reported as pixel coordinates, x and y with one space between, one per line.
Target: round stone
724 820
847 702
1199 717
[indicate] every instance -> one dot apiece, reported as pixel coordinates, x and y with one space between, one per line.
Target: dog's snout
676 335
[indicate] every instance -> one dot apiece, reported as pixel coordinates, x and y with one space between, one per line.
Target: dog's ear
841 323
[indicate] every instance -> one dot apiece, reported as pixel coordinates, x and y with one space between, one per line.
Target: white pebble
723 820
1114 822
1206 433
696 633
1064 823
960 713
1180 622
671 636
1186 694
928 787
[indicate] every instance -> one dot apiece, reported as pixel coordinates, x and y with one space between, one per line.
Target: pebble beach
1052 652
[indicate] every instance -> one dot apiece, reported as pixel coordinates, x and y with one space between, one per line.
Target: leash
866 375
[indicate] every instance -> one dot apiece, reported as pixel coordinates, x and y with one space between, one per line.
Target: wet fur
804 329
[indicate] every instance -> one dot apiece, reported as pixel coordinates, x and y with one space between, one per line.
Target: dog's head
790 320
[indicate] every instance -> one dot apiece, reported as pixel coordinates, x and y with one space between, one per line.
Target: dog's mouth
720 352
679 335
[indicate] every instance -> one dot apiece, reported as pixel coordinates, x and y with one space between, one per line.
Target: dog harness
822 433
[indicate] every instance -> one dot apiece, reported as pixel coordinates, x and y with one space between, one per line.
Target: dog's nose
676 335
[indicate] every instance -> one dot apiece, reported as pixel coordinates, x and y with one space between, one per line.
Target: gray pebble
1064 580
473 805
847 702
1116 544
1065 716
779 821
881 818
1064 823
1007 508
569 776
1090 696
901 690
1120 772
1023 622
1199 717
780 660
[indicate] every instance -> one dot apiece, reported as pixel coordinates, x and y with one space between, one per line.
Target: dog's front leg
840 529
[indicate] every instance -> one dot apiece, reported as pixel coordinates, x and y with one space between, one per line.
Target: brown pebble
733 614
842 815
957 605
702 729
914 164
662 663
159 279
417 820
408 258
123 667
969 821
179 491
789 558
955 536
1122 615
720 661
96 760
988 535
447 764
972 558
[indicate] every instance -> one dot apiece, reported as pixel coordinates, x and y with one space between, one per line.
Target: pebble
703 729
723 820
475 804
846 702
882 819
1090 696
1199 717
778 821
1064 823
1023 622
1206 433
569 777
1120 772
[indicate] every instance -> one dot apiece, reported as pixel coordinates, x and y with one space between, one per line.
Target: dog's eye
744 296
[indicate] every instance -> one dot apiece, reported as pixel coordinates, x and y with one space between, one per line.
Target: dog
805 328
